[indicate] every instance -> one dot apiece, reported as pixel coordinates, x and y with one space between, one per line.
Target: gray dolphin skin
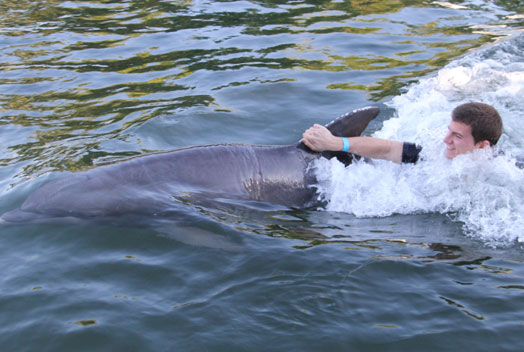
149 185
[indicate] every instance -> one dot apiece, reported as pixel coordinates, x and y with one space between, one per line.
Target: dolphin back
154 184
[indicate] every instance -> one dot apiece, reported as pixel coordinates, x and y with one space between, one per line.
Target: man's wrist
345 144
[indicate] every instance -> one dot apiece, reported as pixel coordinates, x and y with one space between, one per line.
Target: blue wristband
346 144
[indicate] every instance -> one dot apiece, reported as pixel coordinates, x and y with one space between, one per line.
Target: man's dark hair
484 120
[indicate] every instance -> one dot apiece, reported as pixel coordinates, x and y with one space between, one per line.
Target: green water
83 81
87 82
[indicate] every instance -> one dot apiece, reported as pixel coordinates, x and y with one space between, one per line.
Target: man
473 126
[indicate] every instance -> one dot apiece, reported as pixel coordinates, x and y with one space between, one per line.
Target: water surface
83 83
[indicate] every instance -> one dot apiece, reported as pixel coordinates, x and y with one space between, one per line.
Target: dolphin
151 184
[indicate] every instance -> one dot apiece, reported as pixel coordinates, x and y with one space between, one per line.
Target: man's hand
320 139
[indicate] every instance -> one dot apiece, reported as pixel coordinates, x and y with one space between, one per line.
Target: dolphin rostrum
149 185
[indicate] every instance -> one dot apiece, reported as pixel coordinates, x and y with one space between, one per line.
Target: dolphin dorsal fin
353 123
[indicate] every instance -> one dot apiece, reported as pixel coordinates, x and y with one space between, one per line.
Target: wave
484 190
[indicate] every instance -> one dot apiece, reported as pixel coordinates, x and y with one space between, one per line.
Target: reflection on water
82 82
79 74
427 238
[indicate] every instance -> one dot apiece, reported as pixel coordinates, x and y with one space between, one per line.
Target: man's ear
482 144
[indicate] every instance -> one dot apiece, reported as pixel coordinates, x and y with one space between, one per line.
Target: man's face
459 140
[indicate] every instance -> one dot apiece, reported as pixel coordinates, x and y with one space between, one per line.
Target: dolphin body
150 185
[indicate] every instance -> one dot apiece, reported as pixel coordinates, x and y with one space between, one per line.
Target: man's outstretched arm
320 139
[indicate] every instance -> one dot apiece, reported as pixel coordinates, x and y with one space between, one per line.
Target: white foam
484 192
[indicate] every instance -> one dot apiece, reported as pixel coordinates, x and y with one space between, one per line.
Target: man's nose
447 139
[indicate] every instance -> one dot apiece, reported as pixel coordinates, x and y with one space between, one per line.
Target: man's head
473 126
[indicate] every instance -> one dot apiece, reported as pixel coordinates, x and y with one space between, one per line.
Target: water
423 257
483 191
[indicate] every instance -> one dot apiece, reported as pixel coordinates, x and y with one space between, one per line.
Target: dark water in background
83 83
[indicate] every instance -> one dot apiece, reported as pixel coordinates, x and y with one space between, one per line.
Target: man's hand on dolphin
319 138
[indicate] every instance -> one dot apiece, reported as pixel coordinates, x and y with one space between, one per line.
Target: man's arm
320 139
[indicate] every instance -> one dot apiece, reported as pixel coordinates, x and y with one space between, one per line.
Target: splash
484 190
